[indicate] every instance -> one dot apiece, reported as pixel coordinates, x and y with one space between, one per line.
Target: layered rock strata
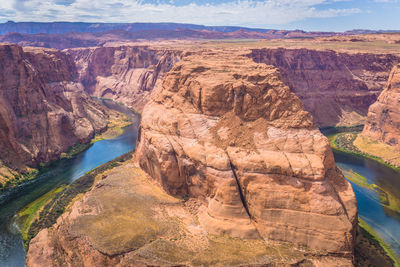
43 109
383 121
336 88
247 180
125 74
228 131
128 220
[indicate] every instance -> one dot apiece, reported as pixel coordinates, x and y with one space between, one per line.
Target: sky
309 15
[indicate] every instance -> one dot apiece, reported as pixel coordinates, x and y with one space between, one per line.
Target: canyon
239 161
44 110
230 167
337 78
336 88
126 74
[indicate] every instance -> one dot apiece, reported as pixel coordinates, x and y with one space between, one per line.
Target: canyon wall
248 180
336 88
228 131
125 74
383 121
43 109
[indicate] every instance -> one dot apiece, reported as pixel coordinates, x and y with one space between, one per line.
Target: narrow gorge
126 74
44 110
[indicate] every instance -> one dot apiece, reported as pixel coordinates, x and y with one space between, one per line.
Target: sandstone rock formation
123 73
128 220
336 88
250 181
227 131
383 121
43 110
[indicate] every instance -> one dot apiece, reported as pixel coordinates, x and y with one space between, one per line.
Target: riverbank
116 124
378 190
62 172
370 250
374 250
345 142
34 213
387 200
43 212
10 179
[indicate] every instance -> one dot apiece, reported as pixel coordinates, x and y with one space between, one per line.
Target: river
12 252
385 222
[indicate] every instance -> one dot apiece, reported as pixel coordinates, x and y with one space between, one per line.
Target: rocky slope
249 181
43 110
336 88
127 220
383 121
123 73
229 132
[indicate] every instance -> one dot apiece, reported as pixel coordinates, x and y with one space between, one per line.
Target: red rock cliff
43 110
226 130
336 88
124 73
383 121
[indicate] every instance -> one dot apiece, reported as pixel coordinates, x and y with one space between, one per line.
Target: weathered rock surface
336 88
383 121
125 74
127 220
43 110
259 181
227 131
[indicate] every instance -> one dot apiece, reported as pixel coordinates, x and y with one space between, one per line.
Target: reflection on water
384 221
12 252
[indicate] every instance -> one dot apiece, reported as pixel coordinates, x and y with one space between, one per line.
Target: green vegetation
55 205
374 237
116 127
358 179
341 129
344 142
386 198
386 152
10 178
74 150
29 213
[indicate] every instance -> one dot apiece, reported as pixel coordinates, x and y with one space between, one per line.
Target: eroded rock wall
383 121
229 132
125 74
336 88
252 181
43 110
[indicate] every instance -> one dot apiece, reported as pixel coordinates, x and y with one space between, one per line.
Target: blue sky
325 15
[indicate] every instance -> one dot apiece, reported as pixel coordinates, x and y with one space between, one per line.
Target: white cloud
247 12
